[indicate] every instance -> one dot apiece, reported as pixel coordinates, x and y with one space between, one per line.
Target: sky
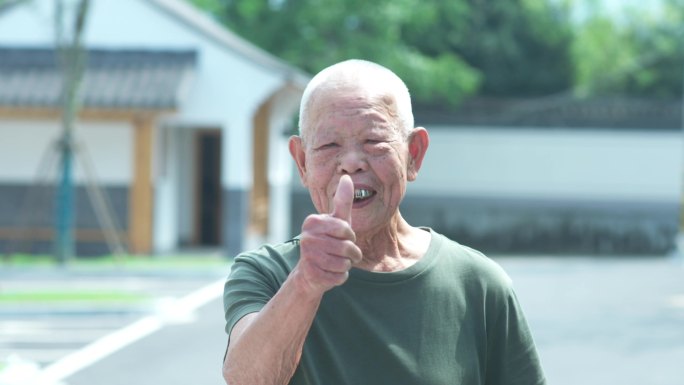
615 8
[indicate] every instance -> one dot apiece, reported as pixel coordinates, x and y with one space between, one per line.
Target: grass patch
71 296
121 261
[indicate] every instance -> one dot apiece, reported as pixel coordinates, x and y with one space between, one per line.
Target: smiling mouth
362 194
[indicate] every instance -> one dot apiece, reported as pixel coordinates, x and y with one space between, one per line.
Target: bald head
364 77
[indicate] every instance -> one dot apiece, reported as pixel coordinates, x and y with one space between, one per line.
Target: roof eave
85 113
210 28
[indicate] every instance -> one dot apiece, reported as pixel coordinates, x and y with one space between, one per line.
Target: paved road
605 321
596 321
181 354
37 335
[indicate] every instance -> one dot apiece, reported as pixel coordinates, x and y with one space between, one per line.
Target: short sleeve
254 279
512 357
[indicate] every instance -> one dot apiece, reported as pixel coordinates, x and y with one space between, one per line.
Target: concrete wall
29 170
27 214
546 191
25 143
560 164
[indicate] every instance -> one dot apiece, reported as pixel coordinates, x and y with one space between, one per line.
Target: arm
265 347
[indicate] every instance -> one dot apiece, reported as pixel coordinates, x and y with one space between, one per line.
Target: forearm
265 349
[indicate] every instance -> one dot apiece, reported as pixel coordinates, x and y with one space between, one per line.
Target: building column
259 218
141 192
236 180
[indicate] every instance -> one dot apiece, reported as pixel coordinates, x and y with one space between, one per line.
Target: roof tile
150 79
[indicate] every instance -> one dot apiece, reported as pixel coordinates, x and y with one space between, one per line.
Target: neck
393 247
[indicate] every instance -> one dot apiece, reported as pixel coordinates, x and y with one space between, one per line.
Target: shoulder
273 261
255 276
271 253
471 264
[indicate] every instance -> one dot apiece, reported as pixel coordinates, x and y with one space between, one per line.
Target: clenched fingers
318 249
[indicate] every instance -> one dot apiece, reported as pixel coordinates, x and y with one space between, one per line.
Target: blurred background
156 131
556 125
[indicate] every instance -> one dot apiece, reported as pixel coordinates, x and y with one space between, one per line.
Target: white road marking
676 301
103 347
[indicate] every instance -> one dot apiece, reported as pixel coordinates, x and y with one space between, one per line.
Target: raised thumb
344 199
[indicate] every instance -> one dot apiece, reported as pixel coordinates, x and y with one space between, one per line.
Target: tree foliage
521 47
445 50
640 54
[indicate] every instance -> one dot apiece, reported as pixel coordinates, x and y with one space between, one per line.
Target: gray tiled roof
113 79
606 112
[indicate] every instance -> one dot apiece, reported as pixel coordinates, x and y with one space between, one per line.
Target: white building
184 122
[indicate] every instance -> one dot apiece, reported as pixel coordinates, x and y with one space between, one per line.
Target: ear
417 146
297 151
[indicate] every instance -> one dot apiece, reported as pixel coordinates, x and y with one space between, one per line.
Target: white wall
555 164
279 164
166 191
25 142
31 23
226 90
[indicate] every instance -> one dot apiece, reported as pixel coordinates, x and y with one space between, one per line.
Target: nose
351 162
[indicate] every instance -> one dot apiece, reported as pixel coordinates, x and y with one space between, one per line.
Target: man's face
351 132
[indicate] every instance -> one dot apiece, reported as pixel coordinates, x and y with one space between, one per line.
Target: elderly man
361 296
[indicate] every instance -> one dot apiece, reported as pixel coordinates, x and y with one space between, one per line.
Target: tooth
361 193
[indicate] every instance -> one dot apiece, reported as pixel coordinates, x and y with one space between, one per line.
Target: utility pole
71 60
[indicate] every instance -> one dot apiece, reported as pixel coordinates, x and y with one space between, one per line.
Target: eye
327 146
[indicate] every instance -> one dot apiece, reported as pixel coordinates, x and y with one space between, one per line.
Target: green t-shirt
450 318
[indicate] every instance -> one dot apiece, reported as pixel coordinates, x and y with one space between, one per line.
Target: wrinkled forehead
350 99
352 96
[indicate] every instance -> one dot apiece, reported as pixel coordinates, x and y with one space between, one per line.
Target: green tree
639 54
313 34
521 47
445 50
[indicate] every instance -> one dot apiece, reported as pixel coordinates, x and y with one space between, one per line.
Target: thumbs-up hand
327 248
344 199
